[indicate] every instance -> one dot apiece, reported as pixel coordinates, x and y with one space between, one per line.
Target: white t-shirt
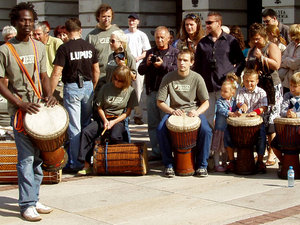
137 43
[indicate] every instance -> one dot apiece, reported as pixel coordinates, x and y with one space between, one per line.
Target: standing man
188 95
99 38
23 98
77 62
41 33
138 43
217 54
269 17
159 61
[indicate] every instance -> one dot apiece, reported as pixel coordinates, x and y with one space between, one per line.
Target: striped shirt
255 99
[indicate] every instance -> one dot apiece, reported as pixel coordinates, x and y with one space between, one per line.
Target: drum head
287 121
49 122
183 123
244 121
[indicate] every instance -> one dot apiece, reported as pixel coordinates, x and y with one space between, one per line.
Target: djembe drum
48 131
288 138
183 131
8 166
120 159
48 127
244 132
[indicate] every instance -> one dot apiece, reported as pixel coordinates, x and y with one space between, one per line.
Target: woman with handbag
265 57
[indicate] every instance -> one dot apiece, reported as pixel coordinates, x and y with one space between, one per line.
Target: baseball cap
133 15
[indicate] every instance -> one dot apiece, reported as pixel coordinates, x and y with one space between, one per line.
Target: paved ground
152 199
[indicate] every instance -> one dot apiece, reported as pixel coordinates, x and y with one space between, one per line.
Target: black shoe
260 167
154 158
169 172
201 172
138 121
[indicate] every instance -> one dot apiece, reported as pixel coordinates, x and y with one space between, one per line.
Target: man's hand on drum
192 113
50 100
291 114
29 107
178 112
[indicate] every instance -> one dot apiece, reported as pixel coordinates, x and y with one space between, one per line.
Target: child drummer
252 99
188 94
290 107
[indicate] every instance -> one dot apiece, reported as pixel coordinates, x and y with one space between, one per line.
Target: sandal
271 162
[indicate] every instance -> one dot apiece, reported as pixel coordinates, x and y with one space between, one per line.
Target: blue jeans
154 117
261 142
78 103
202 146
30 174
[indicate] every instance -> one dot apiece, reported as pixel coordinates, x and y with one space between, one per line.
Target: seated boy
188 94
290 107
252 99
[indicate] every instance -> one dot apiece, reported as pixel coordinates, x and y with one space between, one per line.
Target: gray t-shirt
18 83
100 40
114 100
186 93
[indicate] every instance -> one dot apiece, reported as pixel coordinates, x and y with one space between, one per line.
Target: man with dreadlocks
23 98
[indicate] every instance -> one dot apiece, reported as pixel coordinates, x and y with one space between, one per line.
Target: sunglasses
112 41
209 22
191 15
266 21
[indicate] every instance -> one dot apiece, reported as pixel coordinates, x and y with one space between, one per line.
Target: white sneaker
42 208
31 214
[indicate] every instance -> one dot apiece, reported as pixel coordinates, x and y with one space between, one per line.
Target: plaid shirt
255 99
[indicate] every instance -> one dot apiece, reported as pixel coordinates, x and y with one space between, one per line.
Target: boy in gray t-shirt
188 94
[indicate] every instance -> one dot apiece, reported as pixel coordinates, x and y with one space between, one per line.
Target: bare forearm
56 74
164 107
96 74
203 107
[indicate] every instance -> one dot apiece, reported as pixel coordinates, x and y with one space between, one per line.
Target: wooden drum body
121 159
288 137
184 132
48 127
8 166
244 132
54 160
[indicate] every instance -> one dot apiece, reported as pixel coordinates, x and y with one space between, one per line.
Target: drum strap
18 120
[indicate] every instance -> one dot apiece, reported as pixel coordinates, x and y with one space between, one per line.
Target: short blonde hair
121 36
295 78
251 72
294 32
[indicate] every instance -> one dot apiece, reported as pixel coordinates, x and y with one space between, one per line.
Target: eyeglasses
191 15
266 21
209 22
112 41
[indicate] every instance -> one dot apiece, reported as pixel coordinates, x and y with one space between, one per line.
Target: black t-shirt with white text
76 56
